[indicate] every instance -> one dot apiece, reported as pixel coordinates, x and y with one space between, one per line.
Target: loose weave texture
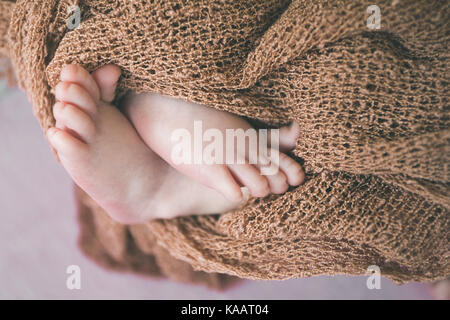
373 107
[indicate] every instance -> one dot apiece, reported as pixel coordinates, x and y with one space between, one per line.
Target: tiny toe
74 119
75 94
278 182
66 145
77 74
249 176
292 169
107 78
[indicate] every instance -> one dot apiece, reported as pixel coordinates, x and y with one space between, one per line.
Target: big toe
289 136
72 119
217 177
107 78
69 148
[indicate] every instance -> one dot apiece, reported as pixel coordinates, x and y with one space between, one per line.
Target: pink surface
38 235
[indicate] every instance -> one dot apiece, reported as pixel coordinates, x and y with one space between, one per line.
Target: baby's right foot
156 119
104 155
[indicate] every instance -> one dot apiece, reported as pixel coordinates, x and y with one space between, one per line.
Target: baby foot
156 118
104 155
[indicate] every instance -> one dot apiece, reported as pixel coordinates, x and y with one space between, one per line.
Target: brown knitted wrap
373 106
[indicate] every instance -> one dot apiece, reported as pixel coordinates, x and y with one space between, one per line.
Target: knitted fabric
373 107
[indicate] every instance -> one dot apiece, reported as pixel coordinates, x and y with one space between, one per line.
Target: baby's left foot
102 152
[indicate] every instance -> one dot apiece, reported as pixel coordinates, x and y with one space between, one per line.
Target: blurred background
38 236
